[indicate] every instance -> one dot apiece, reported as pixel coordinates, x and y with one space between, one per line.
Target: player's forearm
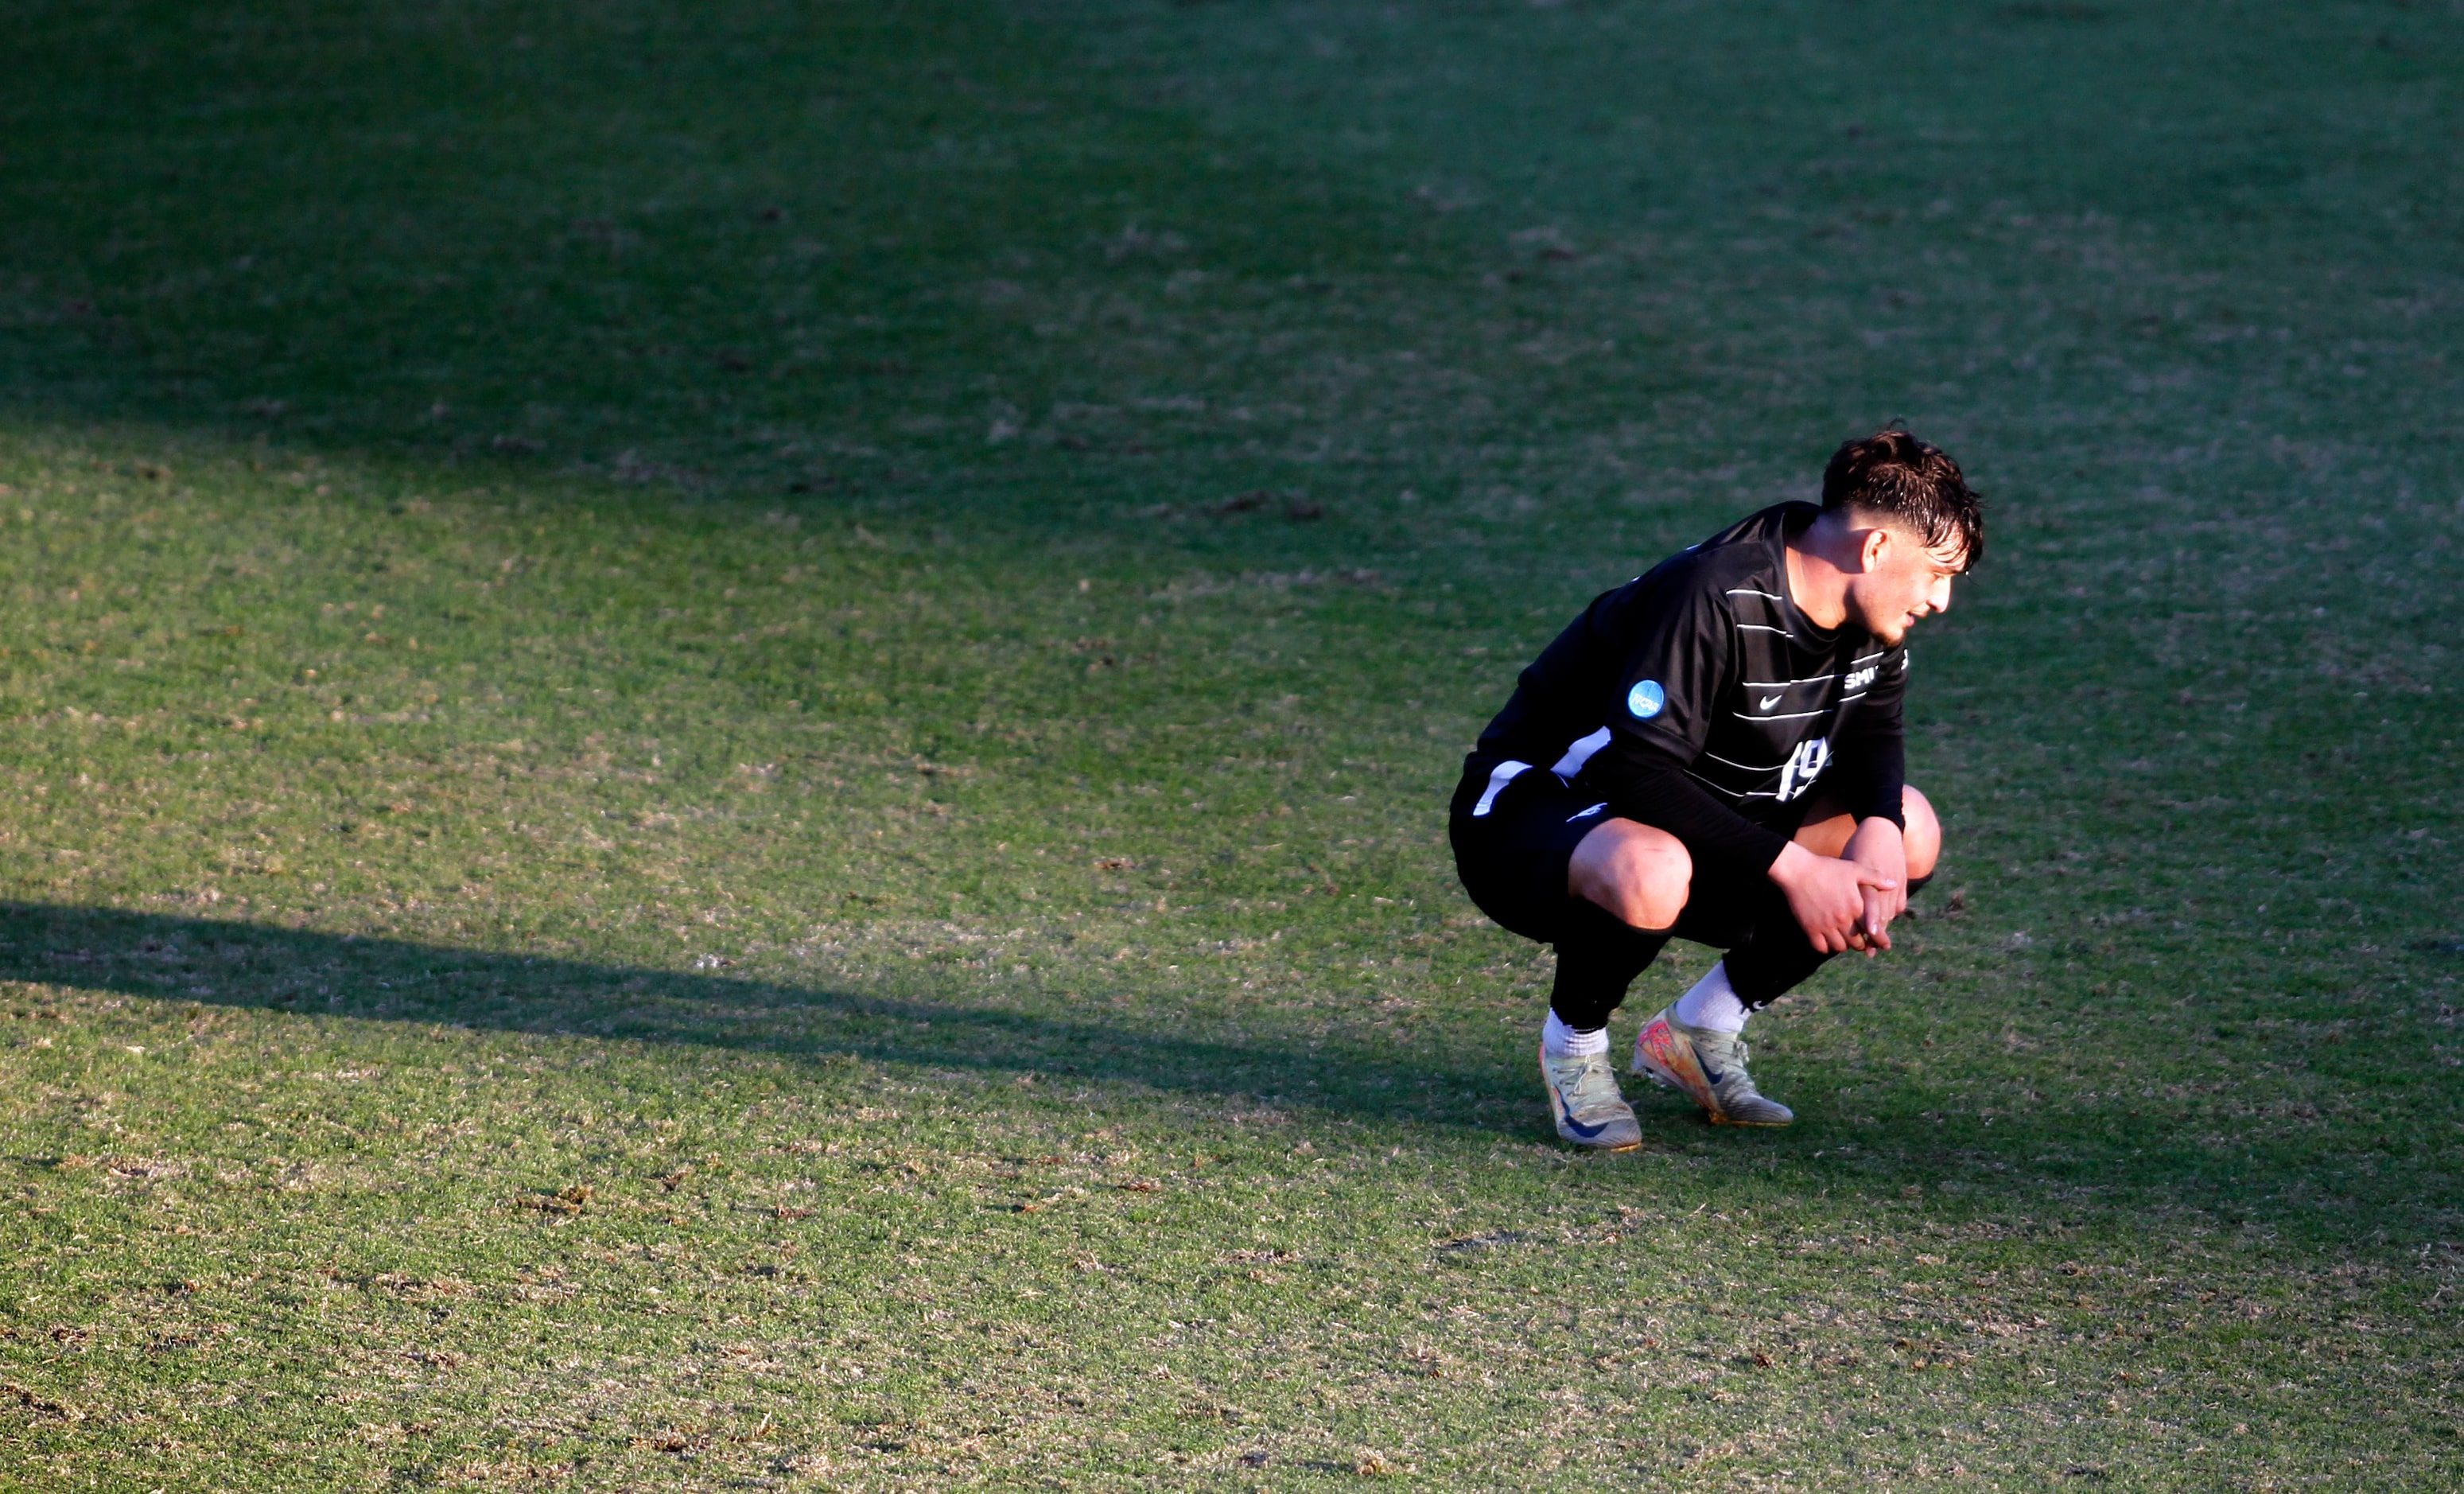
1872 776
1879 843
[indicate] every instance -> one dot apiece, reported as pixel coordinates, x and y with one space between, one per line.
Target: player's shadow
2089 1162
213 962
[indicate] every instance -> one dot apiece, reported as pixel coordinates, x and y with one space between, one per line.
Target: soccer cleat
1583 1097
1711 1066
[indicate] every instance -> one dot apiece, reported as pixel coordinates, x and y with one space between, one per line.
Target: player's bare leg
1644 875
1638 874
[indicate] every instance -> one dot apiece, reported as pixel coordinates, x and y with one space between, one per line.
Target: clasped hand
1847 902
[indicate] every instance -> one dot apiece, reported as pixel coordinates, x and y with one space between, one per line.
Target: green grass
660 827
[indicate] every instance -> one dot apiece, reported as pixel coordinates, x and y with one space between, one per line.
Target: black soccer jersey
1706 663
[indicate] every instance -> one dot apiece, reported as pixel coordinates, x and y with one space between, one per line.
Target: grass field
726 730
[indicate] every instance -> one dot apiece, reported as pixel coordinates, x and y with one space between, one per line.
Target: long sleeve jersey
1699 699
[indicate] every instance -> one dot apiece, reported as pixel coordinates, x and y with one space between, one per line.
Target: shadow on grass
210 962
2117 1161
727 269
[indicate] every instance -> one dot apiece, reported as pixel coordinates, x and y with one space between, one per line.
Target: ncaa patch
1646 698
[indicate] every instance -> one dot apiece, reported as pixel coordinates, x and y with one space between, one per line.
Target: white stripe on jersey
1757 627
1580 753
1748 766
1790 715
1717 788
1784 684
1499 777
1748 591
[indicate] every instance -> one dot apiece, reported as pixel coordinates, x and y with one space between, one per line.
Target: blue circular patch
1646 698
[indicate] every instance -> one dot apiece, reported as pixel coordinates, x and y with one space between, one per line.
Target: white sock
1712 1004
1559 1041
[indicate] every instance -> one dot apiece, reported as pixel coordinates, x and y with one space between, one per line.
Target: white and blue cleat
1584 1100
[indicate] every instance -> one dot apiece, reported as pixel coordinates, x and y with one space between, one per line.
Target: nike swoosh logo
1770 701
1586 1132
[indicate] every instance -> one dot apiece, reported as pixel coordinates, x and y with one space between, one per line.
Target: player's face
1904 581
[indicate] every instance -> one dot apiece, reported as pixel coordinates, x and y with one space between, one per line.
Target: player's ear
1877 544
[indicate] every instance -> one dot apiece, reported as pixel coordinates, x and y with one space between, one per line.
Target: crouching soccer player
1712 752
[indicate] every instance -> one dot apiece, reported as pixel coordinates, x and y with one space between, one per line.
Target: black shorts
1514 829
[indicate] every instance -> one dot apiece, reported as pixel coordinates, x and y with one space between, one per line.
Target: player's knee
1658 895
1924 836
1643 877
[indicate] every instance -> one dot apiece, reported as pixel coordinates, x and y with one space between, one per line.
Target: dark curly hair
1891 474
